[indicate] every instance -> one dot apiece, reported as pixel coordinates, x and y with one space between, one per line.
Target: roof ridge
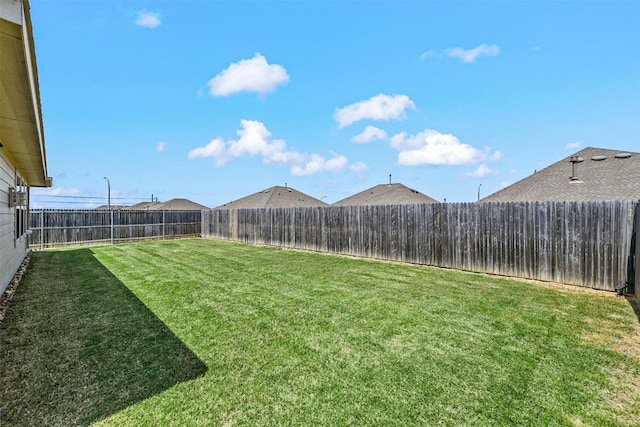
604 149
272 192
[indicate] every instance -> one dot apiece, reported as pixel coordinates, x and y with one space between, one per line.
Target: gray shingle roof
170 205
144 205
274 197
113 207
601 175
386 194
180 205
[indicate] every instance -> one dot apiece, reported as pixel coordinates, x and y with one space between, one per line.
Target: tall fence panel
582 243
62 227
216 223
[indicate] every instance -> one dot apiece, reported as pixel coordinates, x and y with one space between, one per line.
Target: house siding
22 152
12 250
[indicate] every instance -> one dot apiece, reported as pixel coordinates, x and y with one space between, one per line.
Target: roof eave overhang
21 131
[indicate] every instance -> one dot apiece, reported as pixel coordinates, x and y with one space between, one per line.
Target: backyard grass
203 332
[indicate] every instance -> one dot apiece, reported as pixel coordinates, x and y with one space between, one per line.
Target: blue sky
216 100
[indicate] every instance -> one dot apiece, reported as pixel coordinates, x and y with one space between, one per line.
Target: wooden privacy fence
634 259
62 227
581 243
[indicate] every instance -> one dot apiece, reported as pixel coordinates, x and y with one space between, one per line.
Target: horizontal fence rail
62 227
580 243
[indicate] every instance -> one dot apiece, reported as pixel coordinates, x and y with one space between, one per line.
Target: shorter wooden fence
63 227
581 243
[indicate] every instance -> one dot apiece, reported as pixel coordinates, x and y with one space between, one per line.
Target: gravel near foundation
5 299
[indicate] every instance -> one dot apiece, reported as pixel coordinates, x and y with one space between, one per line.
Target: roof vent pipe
389 179
574 167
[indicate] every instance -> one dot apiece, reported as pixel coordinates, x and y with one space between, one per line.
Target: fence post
42 229
234 225
111 212
163 222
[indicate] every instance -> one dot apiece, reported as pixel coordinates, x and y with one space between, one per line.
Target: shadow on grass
635 304
78 346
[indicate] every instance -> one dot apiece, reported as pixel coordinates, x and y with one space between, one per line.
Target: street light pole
108 193
479 191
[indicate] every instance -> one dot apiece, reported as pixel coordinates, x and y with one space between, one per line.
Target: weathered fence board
581 243
51 228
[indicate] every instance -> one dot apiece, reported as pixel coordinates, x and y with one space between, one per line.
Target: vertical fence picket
581 243
76 227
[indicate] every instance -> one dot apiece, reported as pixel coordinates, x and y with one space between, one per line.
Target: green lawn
204 332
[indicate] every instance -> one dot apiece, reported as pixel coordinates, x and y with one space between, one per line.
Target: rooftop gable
179 205
386 194
171 205
274 197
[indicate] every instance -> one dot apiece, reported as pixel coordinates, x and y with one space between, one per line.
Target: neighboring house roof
179 205
21 131
113 207
386 194
144 205
274 197
171 205
595 174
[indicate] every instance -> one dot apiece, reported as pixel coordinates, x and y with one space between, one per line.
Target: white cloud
316 164
470 55
429 54
572 145
249 75
369 134
254 139
359 167
215 148
161 146
482 171
433 148
148 19
379 107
